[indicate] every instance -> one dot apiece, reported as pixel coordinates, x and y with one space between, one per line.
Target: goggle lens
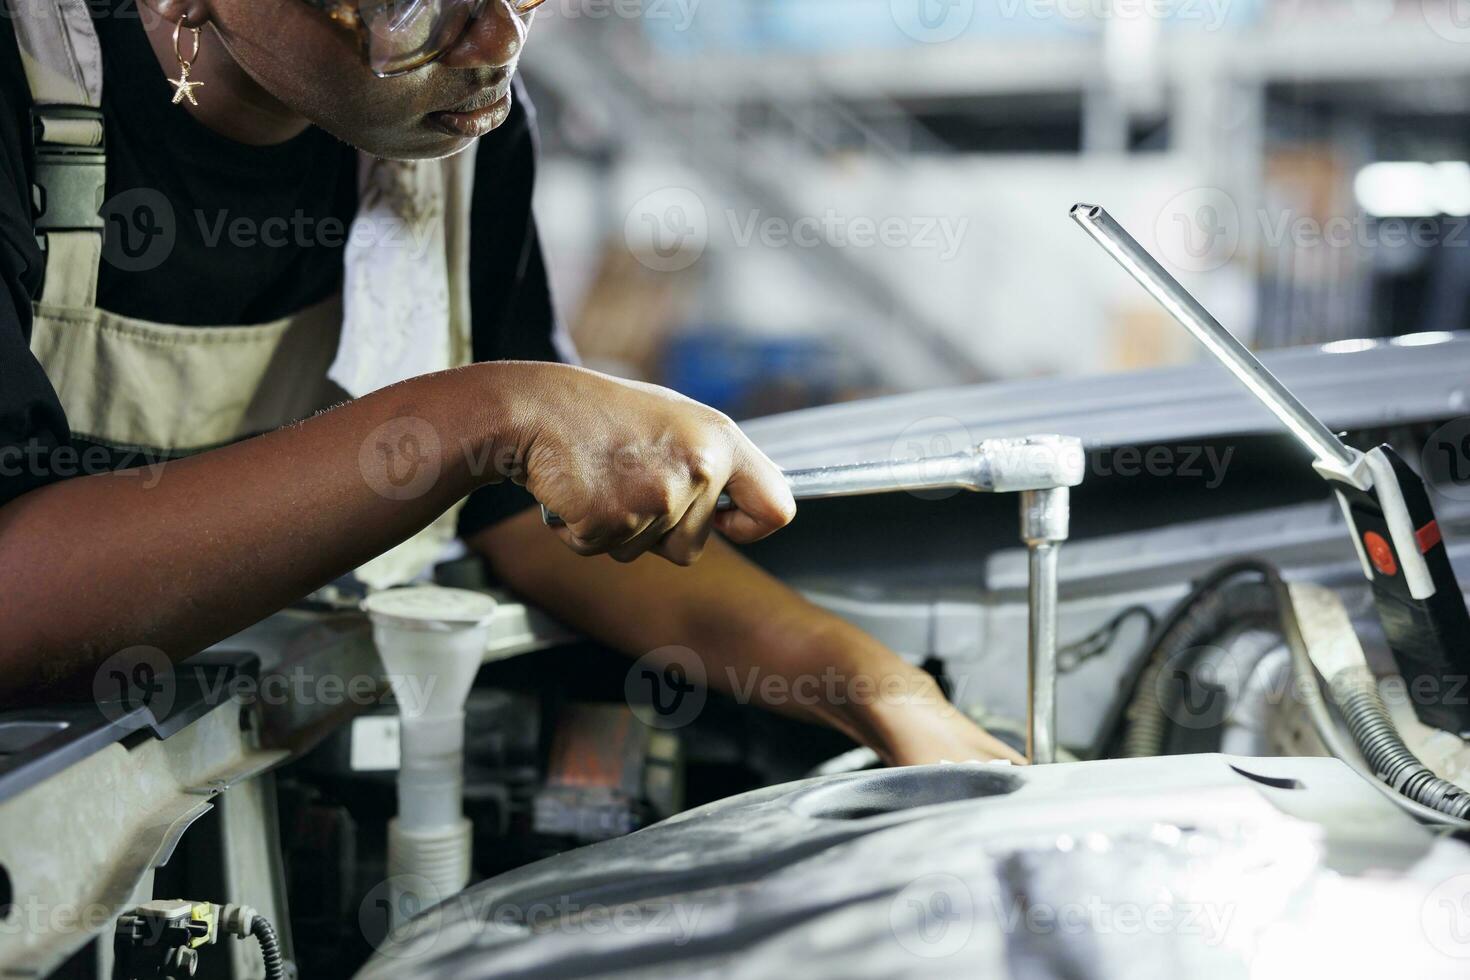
403 35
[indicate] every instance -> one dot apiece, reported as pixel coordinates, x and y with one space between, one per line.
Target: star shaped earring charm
184 89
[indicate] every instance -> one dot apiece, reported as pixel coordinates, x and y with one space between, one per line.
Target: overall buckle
70 181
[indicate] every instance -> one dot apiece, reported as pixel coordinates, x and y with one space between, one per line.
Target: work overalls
164 390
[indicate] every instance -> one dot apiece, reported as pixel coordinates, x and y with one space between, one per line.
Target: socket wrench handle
992 466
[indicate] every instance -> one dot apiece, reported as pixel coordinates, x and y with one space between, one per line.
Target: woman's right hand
634 468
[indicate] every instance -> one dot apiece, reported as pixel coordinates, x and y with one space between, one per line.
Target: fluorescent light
1452 188
1397 190
1348 346
1426 339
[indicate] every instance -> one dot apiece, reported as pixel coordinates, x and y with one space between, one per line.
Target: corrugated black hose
1213 607
270 947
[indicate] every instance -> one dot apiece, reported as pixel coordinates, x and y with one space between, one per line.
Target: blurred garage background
769 204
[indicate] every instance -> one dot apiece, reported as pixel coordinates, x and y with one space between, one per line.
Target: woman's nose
494 40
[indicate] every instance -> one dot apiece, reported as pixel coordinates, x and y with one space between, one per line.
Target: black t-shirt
209 276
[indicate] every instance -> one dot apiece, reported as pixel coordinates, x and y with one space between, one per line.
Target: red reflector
1428 536
1380 552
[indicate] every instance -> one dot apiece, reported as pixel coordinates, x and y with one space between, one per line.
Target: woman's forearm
755 638
202 547
182 554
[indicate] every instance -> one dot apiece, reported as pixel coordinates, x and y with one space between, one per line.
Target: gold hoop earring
183 88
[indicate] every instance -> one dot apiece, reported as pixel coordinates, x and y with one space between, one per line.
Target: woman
297 192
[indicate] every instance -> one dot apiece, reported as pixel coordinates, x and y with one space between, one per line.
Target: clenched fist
634 468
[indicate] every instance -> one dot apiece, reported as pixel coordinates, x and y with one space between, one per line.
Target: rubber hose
1390 759
1328 732
270 947
1207 612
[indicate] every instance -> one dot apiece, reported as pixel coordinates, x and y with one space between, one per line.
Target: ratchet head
1029 463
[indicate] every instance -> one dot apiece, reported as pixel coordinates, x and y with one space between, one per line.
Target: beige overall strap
63 65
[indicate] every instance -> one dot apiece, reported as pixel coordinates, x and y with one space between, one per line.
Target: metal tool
1386 504
993 466
1045 515
1040 468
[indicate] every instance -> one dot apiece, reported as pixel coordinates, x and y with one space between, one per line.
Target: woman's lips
474 122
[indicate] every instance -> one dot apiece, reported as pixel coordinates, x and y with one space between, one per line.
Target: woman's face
315 68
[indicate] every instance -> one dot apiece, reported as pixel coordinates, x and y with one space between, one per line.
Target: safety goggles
400 36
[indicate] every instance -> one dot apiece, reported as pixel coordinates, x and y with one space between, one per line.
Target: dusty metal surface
1187 866
77 845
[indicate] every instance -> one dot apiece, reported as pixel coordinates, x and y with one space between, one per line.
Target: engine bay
625 823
